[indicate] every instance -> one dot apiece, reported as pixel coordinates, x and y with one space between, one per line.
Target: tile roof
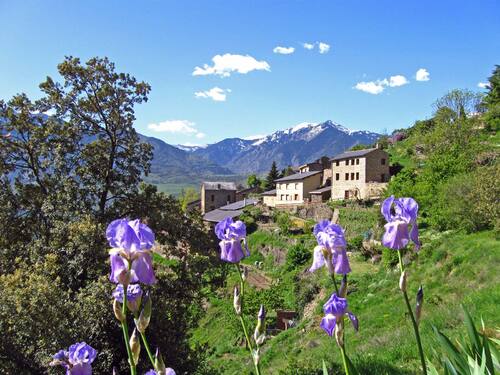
322 190
232 210
298 176
353 154
269 193
219 185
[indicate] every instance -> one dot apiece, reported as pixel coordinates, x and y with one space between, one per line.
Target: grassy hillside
454 269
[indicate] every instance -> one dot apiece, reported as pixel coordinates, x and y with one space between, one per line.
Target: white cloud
422 75
284 50
399 80
483 85
372 87
216 94
224 65
177 126
323 47
308 46
378 86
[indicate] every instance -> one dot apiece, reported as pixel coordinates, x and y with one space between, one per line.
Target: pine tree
272 175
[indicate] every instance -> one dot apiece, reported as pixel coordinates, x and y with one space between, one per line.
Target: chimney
377 145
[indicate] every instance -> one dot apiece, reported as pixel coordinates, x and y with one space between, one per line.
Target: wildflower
134 296
232 233
130 256
401 227
77 360
335 308
167 371
331 248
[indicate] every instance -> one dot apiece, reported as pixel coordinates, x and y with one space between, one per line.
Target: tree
99 103
462 103
271 176
253 181
492 101
187 196
287 171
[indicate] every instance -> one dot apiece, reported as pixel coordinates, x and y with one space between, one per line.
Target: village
352 175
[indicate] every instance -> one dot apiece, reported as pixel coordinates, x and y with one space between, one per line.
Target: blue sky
162 42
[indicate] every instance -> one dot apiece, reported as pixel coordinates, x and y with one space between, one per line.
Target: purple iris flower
335 308
331 248
168 371
401 227
232 233
134 295
77 360
131 254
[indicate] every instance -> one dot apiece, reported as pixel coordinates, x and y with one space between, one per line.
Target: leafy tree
359 146
98 102
287 171
462 103
187 196
253 181
271 176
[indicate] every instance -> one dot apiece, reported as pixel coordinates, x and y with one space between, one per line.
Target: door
346 194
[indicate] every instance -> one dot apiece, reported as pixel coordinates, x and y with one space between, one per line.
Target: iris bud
343 287
117 309
260 330
145 316
134 305
420 301
135 346
402 281
256 356
244 273
159 364
237 301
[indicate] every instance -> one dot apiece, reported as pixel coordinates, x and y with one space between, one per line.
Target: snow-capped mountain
294 146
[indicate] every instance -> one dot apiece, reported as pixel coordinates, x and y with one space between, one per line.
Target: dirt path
257 279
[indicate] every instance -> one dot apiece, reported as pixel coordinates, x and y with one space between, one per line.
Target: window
352 162
228 198
296 197
212 197
382 177
346 194
357 161
347 162
357 175
296 186
337 163
288 186
337 176
383 161
282 197
352 176
347 176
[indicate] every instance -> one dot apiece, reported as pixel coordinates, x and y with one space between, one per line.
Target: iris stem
335 284
146 345
414 322
243 324
126 338
344 360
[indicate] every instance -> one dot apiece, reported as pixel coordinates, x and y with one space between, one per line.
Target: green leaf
453 353
325 370
473 335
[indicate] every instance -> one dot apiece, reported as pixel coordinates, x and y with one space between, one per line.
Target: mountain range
234 158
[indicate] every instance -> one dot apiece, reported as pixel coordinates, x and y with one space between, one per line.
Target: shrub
297 255
284 222
355 244
389 257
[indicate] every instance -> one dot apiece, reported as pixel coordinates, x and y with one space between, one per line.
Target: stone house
217 194
296 188
361 174
269 198
323 164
